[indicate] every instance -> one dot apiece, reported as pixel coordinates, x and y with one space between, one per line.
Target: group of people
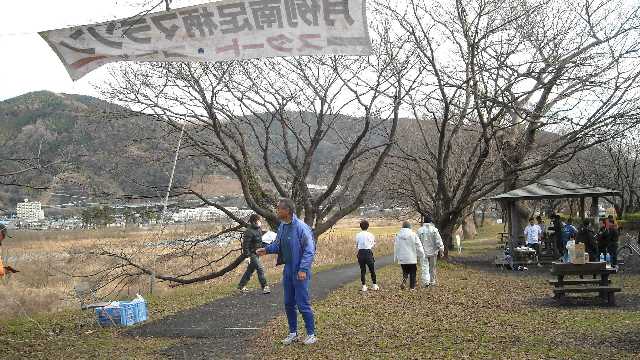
597 244
410 249
294 245
422 246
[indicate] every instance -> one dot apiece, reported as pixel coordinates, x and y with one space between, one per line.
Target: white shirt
365 240
532 233
408 248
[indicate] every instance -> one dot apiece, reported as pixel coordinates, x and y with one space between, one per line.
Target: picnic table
599 283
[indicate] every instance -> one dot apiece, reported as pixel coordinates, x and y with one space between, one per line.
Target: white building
209 213
29 211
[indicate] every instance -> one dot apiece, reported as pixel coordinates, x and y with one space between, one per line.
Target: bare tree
512 90
616 165
315 129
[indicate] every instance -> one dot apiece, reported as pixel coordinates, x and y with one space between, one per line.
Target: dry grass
41 320
474 313
47 260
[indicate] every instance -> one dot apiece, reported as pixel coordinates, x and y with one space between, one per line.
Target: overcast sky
26 61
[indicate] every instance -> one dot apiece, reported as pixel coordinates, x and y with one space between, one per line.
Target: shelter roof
555 189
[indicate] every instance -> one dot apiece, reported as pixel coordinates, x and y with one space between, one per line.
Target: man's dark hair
364 224
539 218
530 219
287 204
253 219
603 219
406 225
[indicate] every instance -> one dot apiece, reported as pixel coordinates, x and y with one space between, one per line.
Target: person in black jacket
603 238
252 241
588 237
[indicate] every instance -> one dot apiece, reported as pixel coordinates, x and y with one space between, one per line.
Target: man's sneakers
364 288
244 289
375 287
293 337
310 339
266 290
404 283
290 339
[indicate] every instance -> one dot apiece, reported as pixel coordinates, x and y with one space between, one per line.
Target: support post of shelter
514 224
595 209
582 211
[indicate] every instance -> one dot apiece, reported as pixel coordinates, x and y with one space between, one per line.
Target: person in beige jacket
407 250
432 244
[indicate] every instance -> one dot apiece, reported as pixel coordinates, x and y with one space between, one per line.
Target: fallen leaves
472 313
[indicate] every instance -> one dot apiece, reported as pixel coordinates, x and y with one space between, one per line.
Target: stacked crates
123 313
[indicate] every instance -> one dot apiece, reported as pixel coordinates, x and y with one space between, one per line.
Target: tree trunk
469 231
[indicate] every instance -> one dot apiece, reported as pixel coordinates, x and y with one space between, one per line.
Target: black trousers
612 248
410 271
366 259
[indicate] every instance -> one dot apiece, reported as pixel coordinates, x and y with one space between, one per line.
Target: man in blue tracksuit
295 248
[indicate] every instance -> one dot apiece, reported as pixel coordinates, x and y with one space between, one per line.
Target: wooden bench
579 282
599 284
606 293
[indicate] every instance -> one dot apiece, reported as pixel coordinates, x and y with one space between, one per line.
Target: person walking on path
432 244
252 241
295 246
365 241
407 249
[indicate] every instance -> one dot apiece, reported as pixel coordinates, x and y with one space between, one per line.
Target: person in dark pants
557 233
602 239
252 241
365 241
588 237
612 246
407 250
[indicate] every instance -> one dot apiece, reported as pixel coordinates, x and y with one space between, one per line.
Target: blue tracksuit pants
296 294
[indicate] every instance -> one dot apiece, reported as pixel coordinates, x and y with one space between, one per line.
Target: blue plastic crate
126 314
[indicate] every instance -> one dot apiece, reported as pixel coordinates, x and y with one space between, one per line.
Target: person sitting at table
588 237
532 235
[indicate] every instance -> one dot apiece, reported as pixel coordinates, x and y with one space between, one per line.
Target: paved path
224 328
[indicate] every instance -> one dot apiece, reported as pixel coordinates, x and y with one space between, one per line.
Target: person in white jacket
407 251
432 243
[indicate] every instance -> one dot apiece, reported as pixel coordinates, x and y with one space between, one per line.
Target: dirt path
224 328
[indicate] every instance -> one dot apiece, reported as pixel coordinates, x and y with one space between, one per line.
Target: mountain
82 146
91 151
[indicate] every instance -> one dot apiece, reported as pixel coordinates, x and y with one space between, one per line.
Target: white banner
221 30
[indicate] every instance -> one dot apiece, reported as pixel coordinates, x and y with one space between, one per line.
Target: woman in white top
407 250
365 241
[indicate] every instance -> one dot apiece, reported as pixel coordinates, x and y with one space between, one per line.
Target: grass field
472 314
